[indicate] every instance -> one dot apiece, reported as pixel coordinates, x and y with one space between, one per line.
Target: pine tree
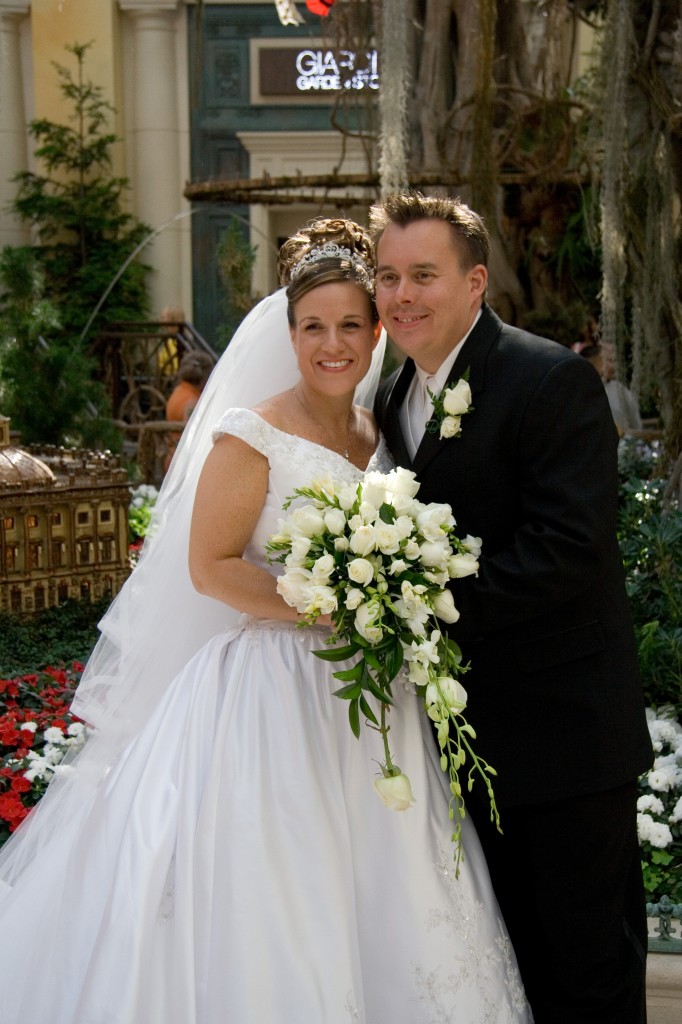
84 235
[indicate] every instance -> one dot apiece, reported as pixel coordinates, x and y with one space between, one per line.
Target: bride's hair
324 251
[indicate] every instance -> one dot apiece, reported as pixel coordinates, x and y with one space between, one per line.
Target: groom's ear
378 327
478 280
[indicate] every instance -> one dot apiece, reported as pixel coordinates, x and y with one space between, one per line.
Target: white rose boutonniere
449 406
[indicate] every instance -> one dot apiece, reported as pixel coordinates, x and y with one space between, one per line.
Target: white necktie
421 409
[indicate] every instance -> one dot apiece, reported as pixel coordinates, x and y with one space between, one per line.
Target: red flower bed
36 730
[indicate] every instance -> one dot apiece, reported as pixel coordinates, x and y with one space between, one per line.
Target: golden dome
19 467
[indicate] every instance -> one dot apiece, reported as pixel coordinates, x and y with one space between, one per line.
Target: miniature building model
63 525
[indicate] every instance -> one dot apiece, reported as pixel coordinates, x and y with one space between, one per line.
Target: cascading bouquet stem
378 561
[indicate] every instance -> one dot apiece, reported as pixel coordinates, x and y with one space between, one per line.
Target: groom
553 688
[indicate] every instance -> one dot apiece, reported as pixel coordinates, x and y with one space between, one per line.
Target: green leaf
354 718
387 513
373 661
395 659
337 653
367 710
354 673
350 692
383 695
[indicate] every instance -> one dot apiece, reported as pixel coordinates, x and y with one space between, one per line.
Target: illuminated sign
285 71
320 69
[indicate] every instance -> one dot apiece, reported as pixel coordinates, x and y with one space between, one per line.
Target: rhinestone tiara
332 250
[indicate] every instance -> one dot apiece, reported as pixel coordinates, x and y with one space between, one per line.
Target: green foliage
650 538
46 387
84 236
55 636
659 879
235 258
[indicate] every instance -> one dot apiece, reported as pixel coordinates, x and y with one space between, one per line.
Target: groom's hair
402 208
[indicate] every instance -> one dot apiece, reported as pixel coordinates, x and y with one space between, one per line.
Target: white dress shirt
417 407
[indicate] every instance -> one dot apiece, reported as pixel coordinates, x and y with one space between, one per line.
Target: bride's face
334 336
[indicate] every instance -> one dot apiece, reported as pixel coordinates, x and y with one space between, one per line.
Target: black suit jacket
554 691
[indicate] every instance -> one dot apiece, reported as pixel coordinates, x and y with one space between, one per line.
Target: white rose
354 598
323 568
388 538
405 526
341 544
457 399
450 426
368 621
397 566
294 587
439 577
411 549
363 540
473 544
347 496
368 512
462 565
300 546
444 606
395 792
361 571
308 520
439 515
435 554
453 692
374 487
323 601
402 481
335 521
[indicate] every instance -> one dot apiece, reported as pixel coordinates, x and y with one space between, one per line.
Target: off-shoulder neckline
314 444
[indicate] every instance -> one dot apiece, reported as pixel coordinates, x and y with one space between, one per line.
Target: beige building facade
138 57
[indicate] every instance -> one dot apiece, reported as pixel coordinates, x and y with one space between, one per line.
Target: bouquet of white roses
378 561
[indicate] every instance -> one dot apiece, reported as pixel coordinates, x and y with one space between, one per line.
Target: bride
216 852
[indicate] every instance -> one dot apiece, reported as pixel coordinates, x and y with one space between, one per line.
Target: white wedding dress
235 866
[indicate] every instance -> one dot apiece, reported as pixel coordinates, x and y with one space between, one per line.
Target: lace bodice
294 462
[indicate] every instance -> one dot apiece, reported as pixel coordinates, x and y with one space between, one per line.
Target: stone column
13 137
152 85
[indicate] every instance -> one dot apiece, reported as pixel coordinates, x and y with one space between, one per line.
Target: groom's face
427 301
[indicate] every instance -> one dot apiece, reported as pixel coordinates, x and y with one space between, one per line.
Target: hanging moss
636 137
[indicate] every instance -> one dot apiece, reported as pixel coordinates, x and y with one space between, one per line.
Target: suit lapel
391 421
